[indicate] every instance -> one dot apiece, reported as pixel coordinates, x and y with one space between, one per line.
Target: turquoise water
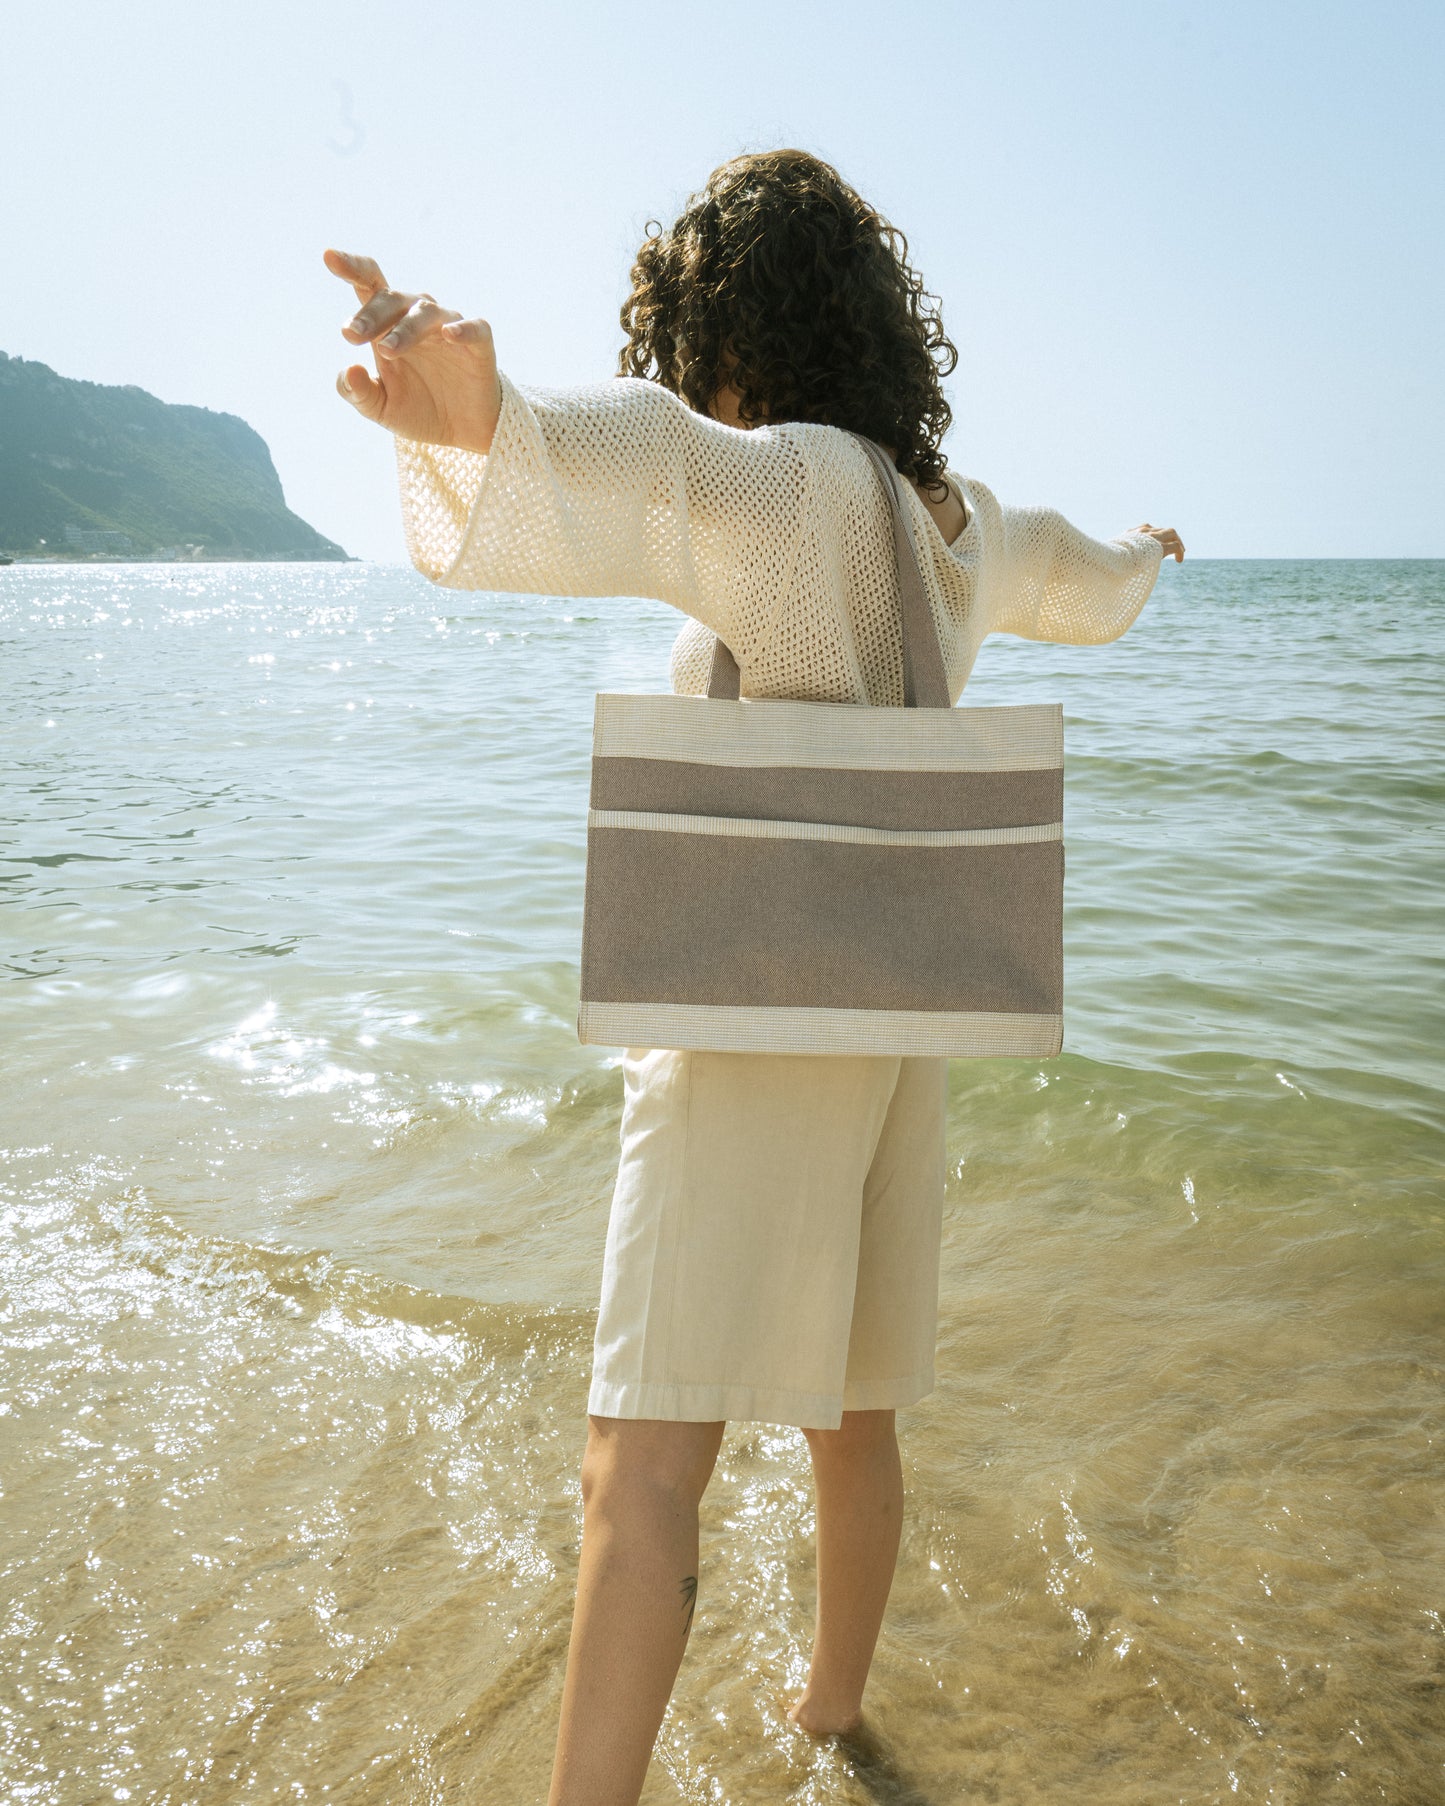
305 1181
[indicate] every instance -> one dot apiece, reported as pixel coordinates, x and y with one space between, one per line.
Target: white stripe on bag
747 828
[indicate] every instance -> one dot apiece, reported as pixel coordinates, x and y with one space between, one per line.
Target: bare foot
807 1717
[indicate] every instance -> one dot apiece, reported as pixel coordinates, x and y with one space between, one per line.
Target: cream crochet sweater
776 539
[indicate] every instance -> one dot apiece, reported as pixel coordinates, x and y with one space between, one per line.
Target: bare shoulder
950 513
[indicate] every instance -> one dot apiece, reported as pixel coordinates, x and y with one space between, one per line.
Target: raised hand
436 373
1167 538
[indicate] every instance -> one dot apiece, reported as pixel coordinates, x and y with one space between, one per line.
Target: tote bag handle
925 680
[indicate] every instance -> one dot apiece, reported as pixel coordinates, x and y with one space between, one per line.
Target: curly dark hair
782 280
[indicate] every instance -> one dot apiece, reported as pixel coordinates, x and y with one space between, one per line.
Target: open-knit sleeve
1055 583
612 489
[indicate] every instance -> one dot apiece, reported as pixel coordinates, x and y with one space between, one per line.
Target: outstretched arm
616 488
1056 583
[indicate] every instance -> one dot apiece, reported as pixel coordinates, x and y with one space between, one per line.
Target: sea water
306 1176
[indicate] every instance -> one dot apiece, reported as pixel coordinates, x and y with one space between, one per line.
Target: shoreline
16 558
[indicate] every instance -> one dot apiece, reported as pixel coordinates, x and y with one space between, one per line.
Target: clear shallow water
305 1181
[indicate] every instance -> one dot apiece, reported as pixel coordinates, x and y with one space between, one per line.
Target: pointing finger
363 273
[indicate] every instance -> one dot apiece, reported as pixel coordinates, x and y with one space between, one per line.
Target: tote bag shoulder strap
925 679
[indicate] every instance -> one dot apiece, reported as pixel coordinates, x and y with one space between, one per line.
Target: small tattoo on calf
688 1589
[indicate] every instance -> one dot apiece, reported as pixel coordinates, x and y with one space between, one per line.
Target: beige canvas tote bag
769 876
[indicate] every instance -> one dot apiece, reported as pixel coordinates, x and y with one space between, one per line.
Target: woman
772 1252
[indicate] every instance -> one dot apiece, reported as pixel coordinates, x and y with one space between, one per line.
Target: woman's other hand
1167 538
436 373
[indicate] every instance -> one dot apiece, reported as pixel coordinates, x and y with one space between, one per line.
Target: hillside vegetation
87 469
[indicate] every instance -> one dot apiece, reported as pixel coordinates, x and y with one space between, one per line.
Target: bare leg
642 1480
858 1483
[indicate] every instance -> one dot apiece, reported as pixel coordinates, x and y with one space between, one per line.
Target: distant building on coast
96 539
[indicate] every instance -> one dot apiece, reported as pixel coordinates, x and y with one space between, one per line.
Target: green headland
89 472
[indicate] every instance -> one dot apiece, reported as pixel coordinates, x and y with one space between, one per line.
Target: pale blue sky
1191 256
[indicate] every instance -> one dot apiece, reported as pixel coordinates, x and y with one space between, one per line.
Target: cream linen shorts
772 1252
